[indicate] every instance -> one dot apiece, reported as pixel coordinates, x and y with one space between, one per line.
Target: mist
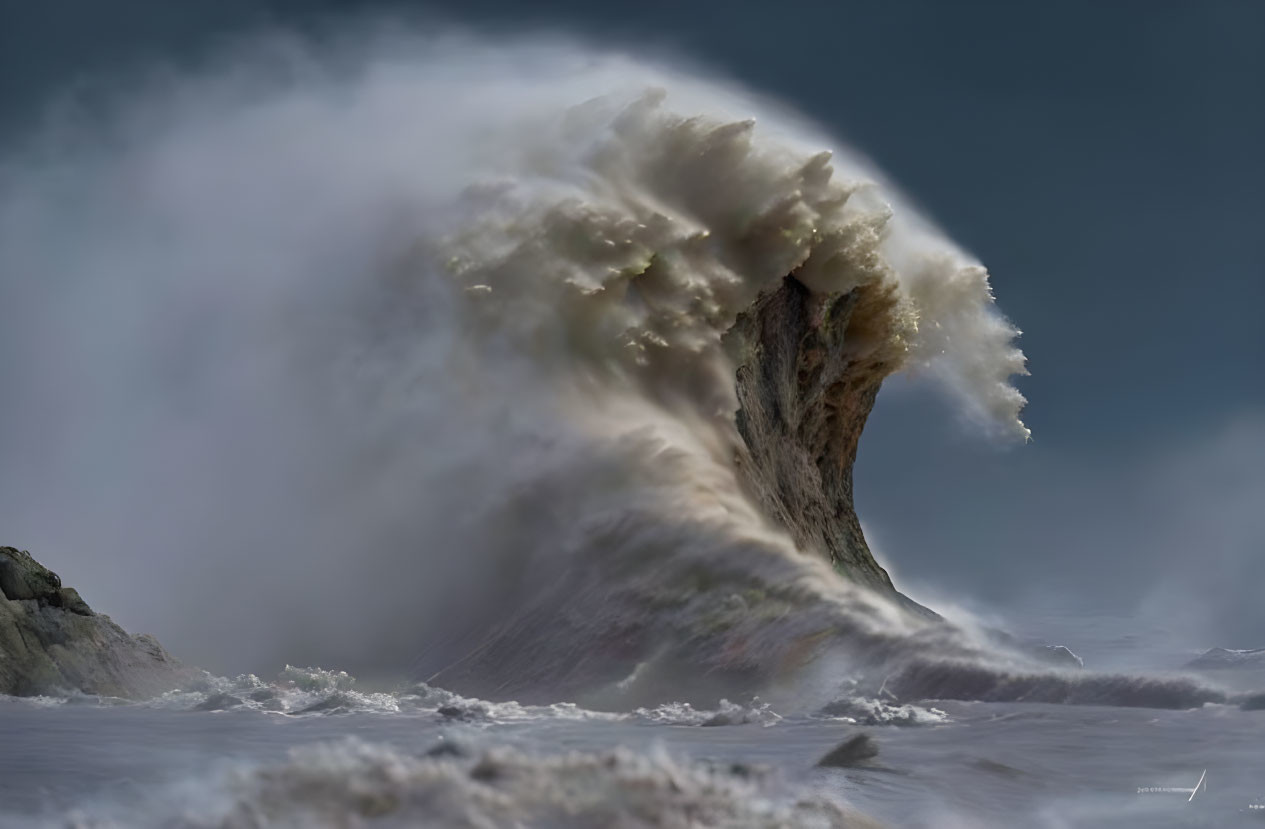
221 420
1145 536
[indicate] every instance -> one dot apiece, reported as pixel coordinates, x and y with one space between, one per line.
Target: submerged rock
472 712
52 642
851 752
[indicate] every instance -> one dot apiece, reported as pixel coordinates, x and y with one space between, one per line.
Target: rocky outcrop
52 642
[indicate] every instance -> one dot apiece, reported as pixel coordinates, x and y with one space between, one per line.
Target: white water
422 754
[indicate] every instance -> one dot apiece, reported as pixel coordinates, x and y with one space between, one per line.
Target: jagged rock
52 642
68 598
23 578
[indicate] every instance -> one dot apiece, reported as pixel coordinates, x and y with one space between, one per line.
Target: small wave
455 707
71 698
318 691
864 711
40 701
295 691
961 680
352 782
304 691
727 713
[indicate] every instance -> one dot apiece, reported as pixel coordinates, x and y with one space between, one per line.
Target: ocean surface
328 755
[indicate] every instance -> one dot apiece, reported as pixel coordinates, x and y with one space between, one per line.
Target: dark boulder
22 578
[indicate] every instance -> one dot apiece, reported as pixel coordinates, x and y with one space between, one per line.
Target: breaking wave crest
316 691
988 682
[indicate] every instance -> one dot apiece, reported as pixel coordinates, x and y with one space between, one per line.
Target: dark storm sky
1106 160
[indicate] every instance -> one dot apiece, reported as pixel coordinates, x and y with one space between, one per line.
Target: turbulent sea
532 377
310 750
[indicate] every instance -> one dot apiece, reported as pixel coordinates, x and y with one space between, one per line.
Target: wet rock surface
52 642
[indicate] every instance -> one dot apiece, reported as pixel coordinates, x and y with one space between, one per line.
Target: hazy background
1103 159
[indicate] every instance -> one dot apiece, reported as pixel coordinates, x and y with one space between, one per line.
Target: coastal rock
52 642
23 578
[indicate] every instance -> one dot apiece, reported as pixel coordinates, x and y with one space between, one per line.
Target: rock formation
52 642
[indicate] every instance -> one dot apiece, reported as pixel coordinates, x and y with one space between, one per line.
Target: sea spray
453 357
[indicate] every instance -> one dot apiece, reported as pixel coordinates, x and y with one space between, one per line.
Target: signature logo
1201 786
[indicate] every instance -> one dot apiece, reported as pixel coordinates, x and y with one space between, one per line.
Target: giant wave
536 372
